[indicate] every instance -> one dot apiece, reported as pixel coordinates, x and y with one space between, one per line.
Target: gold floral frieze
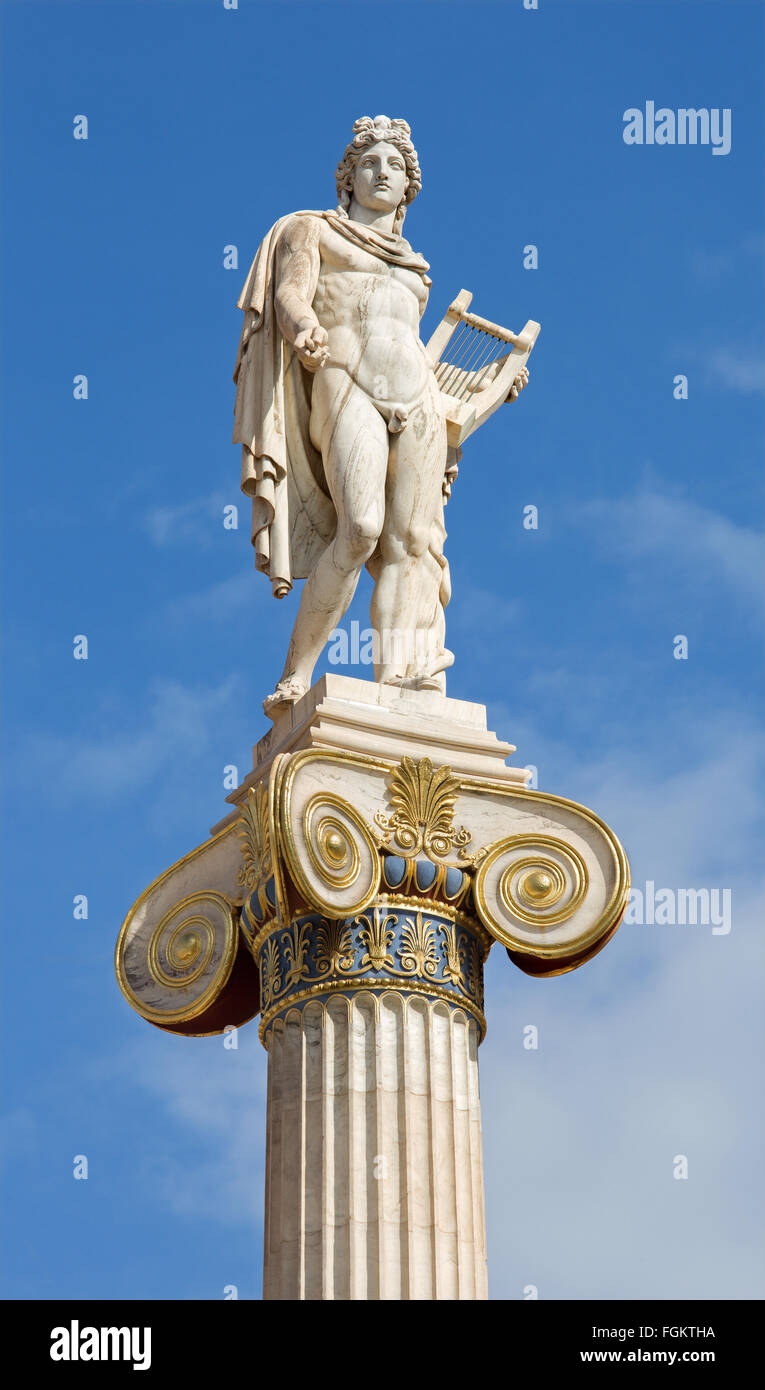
379 949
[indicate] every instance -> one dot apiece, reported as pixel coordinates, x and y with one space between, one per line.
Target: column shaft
374 1182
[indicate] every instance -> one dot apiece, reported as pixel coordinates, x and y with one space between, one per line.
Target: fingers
316 338
311 347
518 384
315 359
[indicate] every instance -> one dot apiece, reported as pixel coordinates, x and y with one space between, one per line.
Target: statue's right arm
297 275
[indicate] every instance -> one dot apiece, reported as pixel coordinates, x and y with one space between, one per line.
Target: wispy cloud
690 539
714 263
238 596
736 369
198 521
134 747
214 1100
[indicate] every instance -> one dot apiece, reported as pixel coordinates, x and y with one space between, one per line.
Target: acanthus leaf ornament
423 799
334 947
417 952
295 943
377 936
256 840
270 971
455 953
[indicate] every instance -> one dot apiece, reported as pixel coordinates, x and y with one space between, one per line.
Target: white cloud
214 1102
692 541
714 264
739 370
237 596
198 520
131 749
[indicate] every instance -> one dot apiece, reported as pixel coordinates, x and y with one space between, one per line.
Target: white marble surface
342 419
348 714
374 1182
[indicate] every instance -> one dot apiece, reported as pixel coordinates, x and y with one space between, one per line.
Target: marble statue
342 420
381 843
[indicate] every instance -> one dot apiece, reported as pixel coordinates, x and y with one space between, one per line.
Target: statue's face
380 180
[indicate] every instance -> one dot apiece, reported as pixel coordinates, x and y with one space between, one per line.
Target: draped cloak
293 516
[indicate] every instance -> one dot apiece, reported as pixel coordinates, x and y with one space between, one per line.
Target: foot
287 692
430 682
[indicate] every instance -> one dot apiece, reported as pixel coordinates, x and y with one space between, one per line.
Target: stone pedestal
378 849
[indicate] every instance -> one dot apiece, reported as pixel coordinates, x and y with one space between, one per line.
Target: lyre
472 368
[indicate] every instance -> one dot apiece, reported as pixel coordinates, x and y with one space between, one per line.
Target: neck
381 221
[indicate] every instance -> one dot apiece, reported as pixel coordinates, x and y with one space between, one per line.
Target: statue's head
379 168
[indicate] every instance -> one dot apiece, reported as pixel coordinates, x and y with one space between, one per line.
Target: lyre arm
504 334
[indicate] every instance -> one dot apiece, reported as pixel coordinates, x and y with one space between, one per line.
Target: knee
356 542
416 540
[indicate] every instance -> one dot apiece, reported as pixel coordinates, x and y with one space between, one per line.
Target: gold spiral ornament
333 859
180 956
550 903
178 972
332 850
544 887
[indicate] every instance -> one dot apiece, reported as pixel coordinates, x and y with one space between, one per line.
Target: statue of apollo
342 420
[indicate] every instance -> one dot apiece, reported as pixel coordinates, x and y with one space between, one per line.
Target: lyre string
471 352
458 346
482 362
496 358
489 358
454 362
454 348
472 362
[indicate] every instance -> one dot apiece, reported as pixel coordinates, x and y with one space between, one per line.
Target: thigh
416 469
353 439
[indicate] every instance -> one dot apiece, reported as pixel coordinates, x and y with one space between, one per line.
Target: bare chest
350 275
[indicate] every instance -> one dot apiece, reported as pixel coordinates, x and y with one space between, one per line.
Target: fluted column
351 902
374 1182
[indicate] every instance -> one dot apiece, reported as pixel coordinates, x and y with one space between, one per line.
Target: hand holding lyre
518 384
450 475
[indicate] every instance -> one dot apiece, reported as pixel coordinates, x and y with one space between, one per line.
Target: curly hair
366 132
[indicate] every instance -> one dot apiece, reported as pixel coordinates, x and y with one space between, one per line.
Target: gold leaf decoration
418 947
377 936
334 947
423 800
270 973
475 974
256 841
454 955
295 943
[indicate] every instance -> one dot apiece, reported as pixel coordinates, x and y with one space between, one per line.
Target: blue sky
205 125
